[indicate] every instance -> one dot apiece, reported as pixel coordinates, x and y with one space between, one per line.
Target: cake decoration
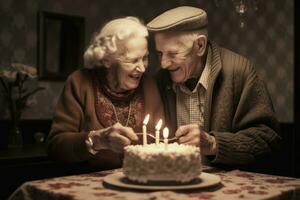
155 162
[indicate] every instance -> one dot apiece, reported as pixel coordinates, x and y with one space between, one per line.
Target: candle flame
158 125
166 132
146 120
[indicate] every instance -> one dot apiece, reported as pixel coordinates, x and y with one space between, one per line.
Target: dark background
297 92
267 39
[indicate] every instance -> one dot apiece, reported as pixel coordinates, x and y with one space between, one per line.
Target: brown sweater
238 110
75 116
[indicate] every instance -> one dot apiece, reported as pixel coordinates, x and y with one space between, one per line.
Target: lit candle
145 122
166 134
157 128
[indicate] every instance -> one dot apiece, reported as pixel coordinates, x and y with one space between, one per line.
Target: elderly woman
102 106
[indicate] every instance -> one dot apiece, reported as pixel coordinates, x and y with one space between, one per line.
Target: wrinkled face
128 68
176 55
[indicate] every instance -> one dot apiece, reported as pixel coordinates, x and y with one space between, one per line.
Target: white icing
177 162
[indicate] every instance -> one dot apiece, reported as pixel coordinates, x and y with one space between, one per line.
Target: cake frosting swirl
153 162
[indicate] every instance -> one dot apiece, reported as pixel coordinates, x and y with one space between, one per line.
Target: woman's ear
201 43
107 63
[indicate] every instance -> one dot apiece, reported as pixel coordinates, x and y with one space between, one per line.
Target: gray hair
108 41
193 35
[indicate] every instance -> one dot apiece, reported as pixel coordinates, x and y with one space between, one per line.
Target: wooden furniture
30 162
22 164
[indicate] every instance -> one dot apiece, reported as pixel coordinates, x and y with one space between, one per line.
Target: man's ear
201 43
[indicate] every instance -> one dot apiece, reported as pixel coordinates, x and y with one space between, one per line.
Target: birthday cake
176 162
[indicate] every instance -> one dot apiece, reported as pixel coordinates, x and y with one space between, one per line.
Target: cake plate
204 180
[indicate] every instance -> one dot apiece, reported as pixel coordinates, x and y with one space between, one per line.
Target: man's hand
193 134
115 138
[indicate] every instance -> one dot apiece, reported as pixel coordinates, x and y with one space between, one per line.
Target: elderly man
213 97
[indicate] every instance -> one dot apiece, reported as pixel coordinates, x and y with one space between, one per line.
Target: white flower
13 83
25 69
10 76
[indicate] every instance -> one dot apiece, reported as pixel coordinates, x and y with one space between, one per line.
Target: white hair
108 42
191 36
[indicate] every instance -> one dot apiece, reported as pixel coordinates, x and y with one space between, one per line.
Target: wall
262 39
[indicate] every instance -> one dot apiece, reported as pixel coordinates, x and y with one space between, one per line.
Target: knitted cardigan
75 116
238 110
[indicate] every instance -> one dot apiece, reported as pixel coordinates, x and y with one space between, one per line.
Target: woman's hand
119 137
114 138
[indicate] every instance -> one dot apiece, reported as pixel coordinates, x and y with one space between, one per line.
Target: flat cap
183 18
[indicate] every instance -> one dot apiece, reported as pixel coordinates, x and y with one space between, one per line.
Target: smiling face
127 68
177 54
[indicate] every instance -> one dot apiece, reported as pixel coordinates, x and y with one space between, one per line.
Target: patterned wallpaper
262 39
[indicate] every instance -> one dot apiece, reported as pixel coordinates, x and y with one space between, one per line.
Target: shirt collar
205 74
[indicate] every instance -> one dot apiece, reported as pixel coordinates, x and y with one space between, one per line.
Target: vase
15 138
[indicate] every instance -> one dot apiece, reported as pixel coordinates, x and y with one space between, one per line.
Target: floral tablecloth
234 185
